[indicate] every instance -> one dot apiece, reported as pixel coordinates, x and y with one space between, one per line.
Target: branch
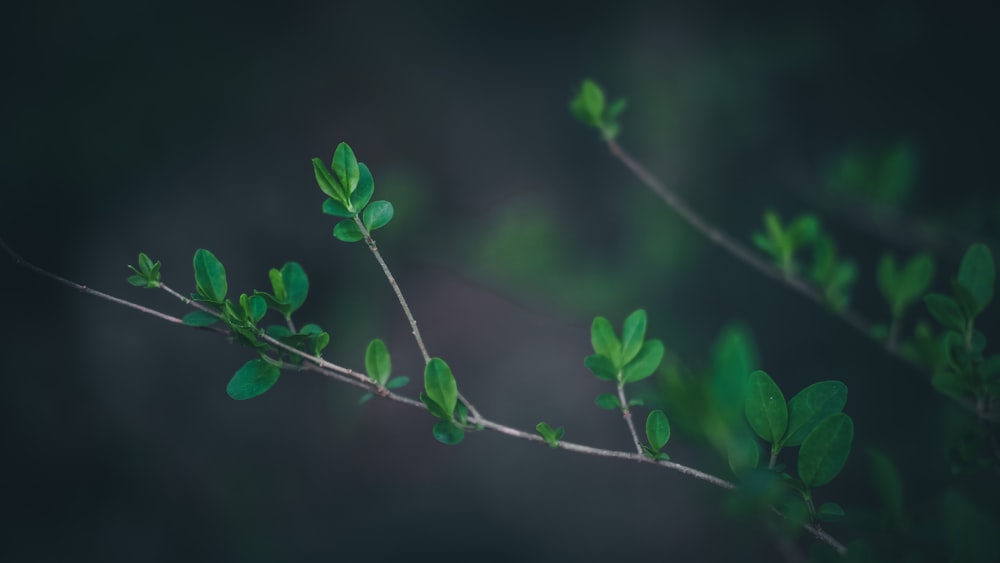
362 381
627 415
402 303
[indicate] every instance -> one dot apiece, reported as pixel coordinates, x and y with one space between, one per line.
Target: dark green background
165 127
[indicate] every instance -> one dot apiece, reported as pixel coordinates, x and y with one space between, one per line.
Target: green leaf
608 401
348 231
604 340
440 385
743 456
645 363
588 105
253 379
377 361
977 273
811 406
366 397
550 435
145 264
366 187
914 280
657 430
434 408
616 108
602 367
200 318
765 407
946 311
278 286
138 280
378 214
256 308
296 284
448 433
397 382
327 183
824 451
633 334
209 276
345 168
337 209
830 512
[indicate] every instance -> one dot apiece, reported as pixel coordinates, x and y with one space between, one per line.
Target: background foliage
169 127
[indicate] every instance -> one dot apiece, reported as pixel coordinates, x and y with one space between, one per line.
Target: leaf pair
812 419
590 108
148 274
972 291
378 364
631 359
782 242
289 286
441 398
902 286
350 187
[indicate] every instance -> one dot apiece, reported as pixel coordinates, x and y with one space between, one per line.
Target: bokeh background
167 126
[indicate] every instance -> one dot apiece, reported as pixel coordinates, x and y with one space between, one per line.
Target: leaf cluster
591 109
350 186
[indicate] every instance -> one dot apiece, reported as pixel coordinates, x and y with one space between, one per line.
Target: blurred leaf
588 105
977 274
397 382
946 311
448 433
888 485
200 318
765 407
645 363
743 456
608 401
209 276
811 406
830 512
253 379
824 451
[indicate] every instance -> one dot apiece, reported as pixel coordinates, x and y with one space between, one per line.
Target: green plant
734 410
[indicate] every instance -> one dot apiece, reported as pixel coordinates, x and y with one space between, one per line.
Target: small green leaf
824 451
604 340
602 367
830 512
440 385
257 308
366 187
145 264
810 407
337 209
138 280
434 408
253 379
348 231
327 183
588 105
608 401
200 318
914 280
550 435
322 341
277 285
448 433
645 363
296 283
616 108
209 276
636 402
657 430
633 335
946 311
345 168
977 273
377 361
397 382
765 407
378 214
365 398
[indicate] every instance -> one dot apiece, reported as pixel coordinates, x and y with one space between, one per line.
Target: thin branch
362 381
627 415
402 303
737 249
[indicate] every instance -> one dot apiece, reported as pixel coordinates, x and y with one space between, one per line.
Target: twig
627 415
402 303
362 381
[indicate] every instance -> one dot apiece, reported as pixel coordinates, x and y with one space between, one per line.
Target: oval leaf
602 367
337 209
440 385
348 231
765 407
377 362
253 379
645 363
608 401
604 341
977 273
327 183
633 334
200 318
824 451
914 280
209 276
296 284
345 168
946 311
366 187
378 214
811 406
657 430
448 433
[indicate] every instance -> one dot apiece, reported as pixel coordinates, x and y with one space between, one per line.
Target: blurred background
167 126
